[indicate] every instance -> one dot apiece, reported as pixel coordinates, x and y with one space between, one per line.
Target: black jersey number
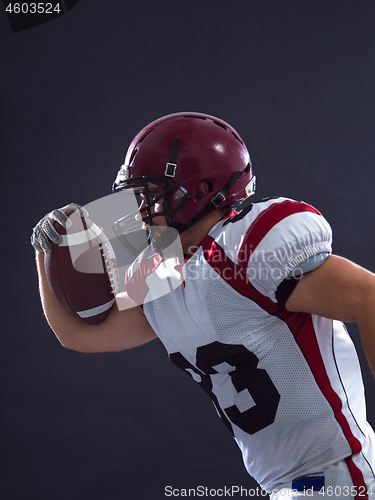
246 375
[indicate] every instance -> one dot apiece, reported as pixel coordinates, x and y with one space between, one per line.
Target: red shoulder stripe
271 216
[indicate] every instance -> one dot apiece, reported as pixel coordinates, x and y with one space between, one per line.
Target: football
82 269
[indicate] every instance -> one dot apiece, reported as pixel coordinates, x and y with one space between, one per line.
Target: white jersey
287 385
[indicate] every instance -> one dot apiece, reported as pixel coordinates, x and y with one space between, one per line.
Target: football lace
108 257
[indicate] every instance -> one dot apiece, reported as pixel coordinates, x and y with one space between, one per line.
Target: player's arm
125 326
339 289
120 330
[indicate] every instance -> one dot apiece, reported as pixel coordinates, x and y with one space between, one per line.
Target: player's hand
44 231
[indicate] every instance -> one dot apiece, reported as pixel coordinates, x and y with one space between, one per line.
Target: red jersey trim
271 216
301 326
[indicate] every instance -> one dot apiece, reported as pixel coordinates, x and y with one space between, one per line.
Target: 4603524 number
33 8
345 491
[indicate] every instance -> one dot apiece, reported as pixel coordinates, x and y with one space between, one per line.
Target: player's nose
141 210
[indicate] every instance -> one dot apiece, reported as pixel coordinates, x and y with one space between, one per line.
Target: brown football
82 270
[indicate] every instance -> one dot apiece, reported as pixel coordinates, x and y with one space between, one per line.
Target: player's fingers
45 229
59 216
75 207
48 228
34 241
39 241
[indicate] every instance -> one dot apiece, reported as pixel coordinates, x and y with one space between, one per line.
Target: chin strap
215 202
220 197
170 171
171 166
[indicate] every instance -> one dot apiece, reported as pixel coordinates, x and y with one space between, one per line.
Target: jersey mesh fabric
274 377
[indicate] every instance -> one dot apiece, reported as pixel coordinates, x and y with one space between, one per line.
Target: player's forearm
340 289
121 330
366 323
65 326
359 306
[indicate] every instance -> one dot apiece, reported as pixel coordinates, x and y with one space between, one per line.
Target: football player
256 319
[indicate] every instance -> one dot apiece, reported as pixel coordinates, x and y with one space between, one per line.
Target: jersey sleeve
283 235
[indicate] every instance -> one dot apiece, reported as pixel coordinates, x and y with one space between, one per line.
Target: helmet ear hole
202 188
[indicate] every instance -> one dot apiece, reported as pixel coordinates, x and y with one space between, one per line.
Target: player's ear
201 189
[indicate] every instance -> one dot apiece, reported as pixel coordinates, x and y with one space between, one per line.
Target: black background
296 79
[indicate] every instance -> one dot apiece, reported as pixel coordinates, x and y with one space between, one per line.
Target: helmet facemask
142 219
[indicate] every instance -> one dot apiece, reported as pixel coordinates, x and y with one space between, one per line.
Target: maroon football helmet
178 151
